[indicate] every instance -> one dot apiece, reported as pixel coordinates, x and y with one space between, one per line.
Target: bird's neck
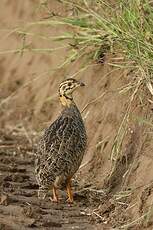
66 101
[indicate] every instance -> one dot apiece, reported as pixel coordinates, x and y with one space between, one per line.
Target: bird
62 146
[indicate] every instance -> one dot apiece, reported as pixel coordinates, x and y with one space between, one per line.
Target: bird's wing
54 144
55 135
65 151
51 142
61 149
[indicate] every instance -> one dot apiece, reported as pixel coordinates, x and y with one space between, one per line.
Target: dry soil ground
105 198
19 206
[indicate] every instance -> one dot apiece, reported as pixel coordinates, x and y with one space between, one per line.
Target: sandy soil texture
107 195
20 207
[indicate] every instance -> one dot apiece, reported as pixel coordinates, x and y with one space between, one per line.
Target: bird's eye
69 84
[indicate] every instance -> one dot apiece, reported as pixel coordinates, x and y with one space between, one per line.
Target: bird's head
66 88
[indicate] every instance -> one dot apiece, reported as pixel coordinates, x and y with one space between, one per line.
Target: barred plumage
61 148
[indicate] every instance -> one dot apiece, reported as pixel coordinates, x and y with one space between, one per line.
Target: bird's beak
82 84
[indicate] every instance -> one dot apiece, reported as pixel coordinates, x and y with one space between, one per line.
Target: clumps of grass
142 221
99 27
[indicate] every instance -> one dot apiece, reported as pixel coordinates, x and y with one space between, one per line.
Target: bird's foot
69 192
70 201
54 199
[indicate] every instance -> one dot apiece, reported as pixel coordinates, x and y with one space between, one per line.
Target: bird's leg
69 191
55 196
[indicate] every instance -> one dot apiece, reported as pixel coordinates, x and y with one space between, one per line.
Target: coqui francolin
62 146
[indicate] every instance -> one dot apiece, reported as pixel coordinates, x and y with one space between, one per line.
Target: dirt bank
113 189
